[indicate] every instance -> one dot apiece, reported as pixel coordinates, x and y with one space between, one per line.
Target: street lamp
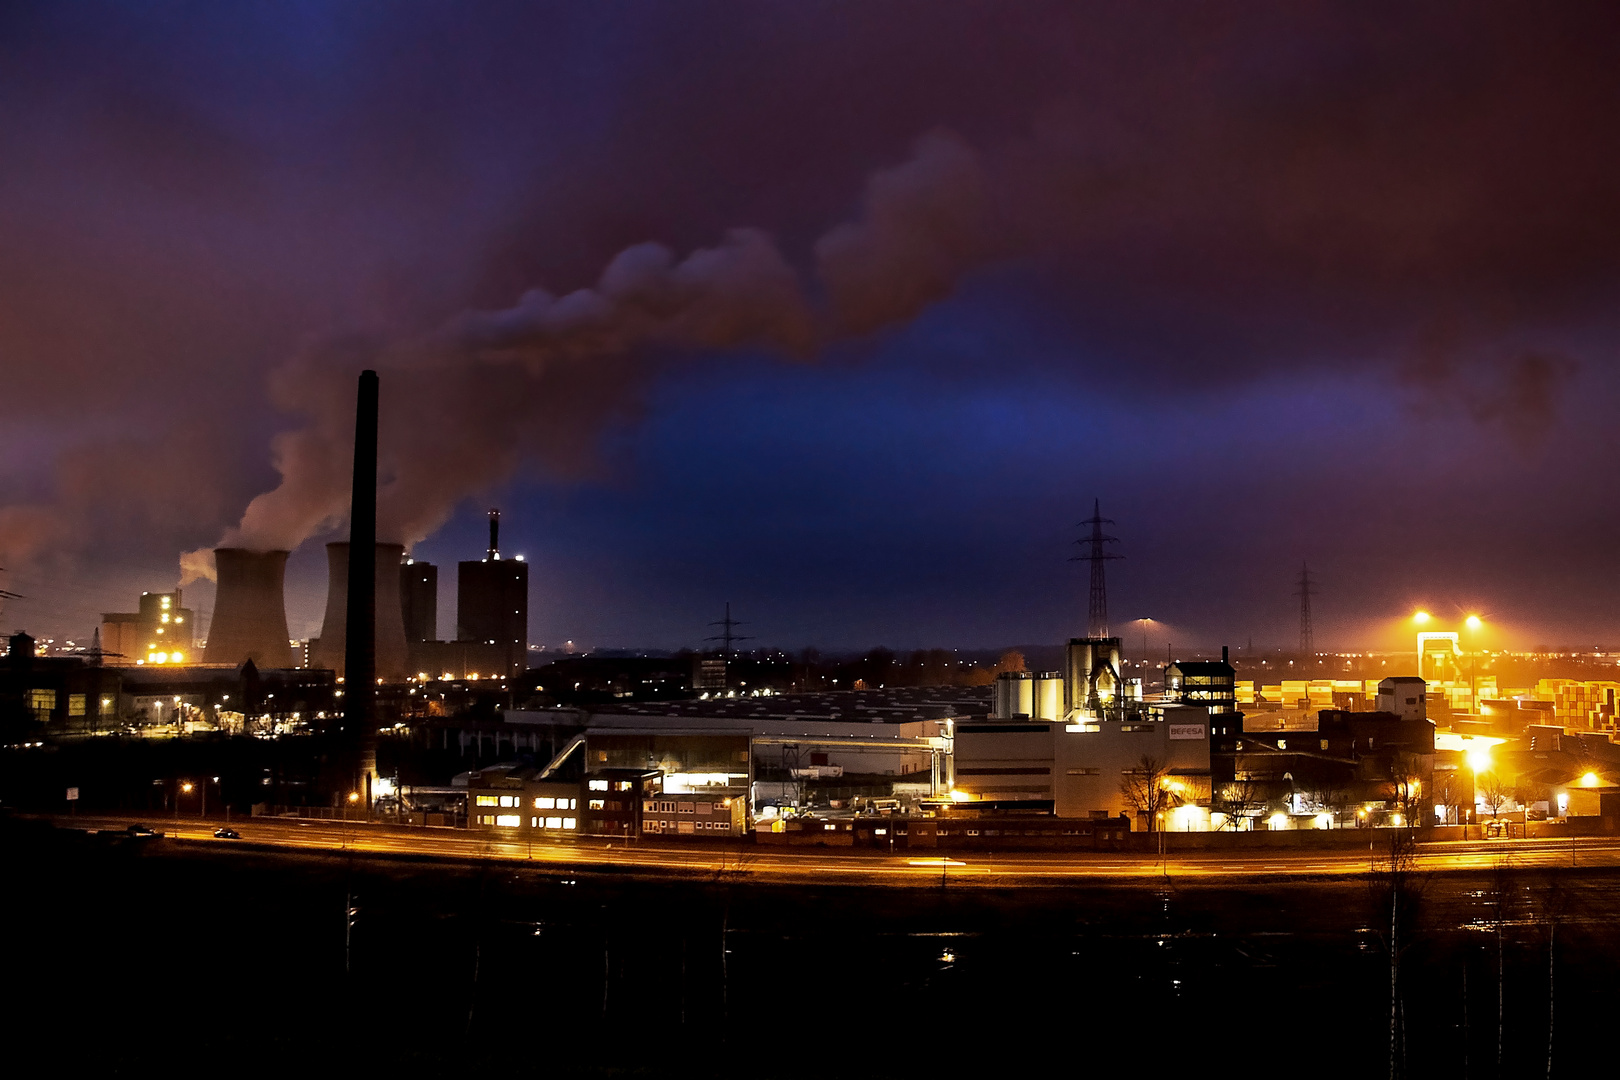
1474 623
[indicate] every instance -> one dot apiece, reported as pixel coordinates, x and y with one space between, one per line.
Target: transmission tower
1093 552
1307 639
726 637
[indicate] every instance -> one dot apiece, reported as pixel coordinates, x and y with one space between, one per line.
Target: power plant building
492 605
161 632
419 600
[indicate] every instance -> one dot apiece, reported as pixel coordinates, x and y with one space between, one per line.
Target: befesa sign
1187 731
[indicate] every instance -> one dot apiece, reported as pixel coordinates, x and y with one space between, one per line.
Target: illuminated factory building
159 633
1061 742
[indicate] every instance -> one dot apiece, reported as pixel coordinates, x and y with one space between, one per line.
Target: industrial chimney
250 613
360 636
388 621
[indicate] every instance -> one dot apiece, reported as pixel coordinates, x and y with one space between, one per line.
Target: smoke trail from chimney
535 382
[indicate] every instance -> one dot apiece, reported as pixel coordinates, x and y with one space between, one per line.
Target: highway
858 866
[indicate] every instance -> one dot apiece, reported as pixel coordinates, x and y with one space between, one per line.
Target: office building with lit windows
513 798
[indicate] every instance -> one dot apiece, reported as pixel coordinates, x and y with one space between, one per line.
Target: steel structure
726 637
1304 590
1095 553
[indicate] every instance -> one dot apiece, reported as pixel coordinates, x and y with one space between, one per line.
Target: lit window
598 785
510 800
568 823
554 822
76 704
488 800
621 785
597 804
534 823
545 804
43 703
510 821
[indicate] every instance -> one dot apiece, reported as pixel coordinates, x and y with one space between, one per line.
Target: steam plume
465 405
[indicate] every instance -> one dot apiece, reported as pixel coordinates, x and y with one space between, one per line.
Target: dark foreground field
139 957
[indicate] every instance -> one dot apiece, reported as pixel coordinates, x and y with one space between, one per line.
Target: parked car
227 834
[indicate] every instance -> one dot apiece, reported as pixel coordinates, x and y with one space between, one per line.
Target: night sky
1332 283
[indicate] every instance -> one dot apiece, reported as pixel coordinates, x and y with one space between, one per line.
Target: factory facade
160 632
1083 743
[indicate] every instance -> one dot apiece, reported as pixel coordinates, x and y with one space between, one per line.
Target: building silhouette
492 603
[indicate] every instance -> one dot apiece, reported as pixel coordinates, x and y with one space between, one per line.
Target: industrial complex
719 745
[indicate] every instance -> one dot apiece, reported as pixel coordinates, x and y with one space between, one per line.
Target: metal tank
1014 695
1048 696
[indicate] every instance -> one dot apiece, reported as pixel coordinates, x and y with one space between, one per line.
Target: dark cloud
522 213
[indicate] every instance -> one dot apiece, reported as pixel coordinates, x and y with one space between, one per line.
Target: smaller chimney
1224 660
494 536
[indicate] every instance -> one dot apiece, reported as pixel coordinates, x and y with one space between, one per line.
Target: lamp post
1421 618
1474 623
354 797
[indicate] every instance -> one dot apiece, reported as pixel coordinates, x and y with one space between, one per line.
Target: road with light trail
862 866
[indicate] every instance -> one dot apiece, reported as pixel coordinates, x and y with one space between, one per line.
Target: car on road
141 830
227 834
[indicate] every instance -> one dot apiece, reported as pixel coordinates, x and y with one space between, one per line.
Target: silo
250 613
1025 705
1003 697
1048 696
1014 695
390 616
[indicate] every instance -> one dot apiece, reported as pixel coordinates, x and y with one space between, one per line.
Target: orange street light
1420 617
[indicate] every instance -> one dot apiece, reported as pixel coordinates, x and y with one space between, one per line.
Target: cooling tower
390 617
250 613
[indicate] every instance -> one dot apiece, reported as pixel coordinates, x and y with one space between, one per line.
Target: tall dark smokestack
494 535
360 640
388 645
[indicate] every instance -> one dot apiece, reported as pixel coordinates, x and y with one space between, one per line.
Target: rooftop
895 705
